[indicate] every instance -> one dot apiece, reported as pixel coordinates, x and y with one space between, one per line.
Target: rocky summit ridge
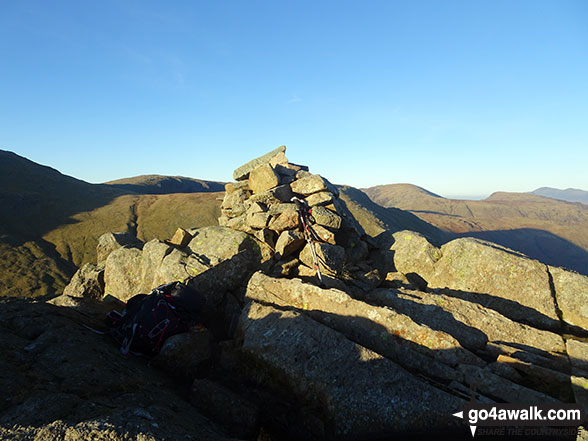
401 336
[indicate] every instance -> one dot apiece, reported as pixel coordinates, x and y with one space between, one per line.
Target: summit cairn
260 204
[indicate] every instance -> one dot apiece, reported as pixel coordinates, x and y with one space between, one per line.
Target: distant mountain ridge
550 230
569 194
158 184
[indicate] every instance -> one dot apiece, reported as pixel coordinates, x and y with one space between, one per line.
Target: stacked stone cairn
259 203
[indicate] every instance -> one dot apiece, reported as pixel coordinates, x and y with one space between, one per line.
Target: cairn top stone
242 173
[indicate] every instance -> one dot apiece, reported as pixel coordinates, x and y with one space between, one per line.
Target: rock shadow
538 244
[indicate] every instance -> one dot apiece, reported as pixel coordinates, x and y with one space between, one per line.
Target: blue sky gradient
460 97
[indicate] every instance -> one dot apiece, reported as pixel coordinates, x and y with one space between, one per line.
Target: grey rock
185 355
360 392
109 242
287 220
289 242
578 353
571 290
181 238
330 257
501 389
285 267
239 223
233 186
470 323
218 243
378 328
323 234
280 207
122 273
414 254
263 178
325 217
267 236
320 198
258 221
309 184
507 281
553 383
87 282
242 172
238 414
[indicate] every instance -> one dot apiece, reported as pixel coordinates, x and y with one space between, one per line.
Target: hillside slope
553 231
50 222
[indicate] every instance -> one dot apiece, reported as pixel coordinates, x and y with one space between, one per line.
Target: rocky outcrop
242 172
130 271
378 328
571 290
484 273
87 282
472 324
109 242
352 388
62 381
399 335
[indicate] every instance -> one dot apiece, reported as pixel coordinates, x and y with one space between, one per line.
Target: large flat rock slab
357 392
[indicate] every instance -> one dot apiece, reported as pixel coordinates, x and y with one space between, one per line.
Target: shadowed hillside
35 199
550 230
376 219
50 223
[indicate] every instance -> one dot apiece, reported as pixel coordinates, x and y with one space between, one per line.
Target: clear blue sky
459 97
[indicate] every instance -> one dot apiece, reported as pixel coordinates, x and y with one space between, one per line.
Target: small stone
323 216
263 178
181 238
289 242
266 198
320 198
233 186
242 173
285 267
234 198
256 207
288 220
279 159
239 223
369 280
184 354
395 279
285 171
283 193
278 209
258 220
267 236
322 234
330 257
223 220
309 185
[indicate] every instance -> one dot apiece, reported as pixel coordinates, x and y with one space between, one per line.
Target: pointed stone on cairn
259 203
